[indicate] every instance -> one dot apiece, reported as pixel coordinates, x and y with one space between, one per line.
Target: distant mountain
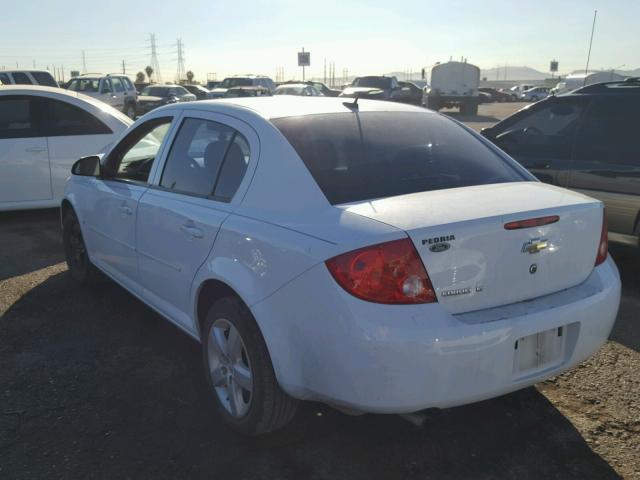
513 73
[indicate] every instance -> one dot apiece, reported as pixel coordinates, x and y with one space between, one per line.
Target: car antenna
353 104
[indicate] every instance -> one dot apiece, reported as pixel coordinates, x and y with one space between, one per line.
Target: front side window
363 156
133 157
117 85
547 131
64 119
21 78
17 117
200 156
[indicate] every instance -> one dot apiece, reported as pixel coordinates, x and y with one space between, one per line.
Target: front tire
239 371
80 267
130 111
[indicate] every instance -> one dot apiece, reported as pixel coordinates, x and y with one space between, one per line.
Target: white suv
115 90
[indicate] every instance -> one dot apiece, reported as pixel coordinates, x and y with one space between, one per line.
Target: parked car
517 90
414 97
211 84
27 77
300 89
497 95
113 89
242 81
586 141
254 91
43 131
321 87
155 96
199 91
380 258
484 97
534 94
377 88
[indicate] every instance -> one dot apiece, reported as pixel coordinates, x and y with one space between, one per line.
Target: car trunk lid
474 262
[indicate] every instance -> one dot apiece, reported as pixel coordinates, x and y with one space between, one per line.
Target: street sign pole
303 65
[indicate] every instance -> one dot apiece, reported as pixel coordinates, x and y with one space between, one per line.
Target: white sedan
370 255
43 131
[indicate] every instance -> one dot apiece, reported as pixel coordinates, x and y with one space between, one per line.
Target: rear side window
196 157
609 132
21 78
127 83
4 79
362 156
17 117
44 78
64 119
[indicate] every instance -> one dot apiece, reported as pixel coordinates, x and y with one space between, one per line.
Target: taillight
389 272
603 246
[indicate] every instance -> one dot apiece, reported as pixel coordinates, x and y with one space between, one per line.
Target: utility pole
180 74
124 70
324 78
154 59
84 63
34 64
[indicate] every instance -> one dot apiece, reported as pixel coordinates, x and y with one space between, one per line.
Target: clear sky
365 37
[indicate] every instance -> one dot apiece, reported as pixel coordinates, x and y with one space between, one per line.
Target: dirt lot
93 384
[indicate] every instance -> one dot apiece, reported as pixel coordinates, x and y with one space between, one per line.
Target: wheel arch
207 293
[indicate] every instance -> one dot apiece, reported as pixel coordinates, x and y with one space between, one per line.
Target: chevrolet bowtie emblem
535 245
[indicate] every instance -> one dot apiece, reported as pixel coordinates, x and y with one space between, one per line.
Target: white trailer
577 80
454 84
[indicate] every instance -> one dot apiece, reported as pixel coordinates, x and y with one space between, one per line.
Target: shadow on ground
31 240
95 384
627 327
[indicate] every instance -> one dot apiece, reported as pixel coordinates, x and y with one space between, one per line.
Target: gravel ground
93 384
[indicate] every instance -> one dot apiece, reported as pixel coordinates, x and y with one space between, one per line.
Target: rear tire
261 408
472 109
80 267
433 104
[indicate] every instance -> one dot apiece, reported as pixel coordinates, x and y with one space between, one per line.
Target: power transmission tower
154 59
84 63
180 74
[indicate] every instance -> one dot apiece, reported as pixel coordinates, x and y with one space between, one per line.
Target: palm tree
149 71
190 76
140 77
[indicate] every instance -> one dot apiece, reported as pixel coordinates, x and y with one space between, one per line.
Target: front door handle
192 230
125 209
35 149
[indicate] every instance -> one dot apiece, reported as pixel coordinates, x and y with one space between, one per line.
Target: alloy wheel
230 368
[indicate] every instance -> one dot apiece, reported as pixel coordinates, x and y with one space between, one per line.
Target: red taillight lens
603 246
389 272
531 222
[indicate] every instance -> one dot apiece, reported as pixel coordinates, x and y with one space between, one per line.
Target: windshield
84 84
290 90
236 82
355 157
155 92
373 82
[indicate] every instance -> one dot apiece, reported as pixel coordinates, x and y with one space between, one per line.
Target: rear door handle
192 230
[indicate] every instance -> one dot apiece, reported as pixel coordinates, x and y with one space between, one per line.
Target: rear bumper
329 346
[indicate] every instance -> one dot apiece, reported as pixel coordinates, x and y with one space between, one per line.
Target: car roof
280 106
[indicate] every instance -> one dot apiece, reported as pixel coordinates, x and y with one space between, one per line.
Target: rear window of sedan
362 156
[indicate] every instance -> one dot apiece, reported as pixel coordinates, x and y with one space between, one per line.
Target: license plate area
538 352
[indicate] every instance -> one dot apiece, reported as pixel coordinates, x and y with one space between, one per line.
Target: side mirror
87 167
